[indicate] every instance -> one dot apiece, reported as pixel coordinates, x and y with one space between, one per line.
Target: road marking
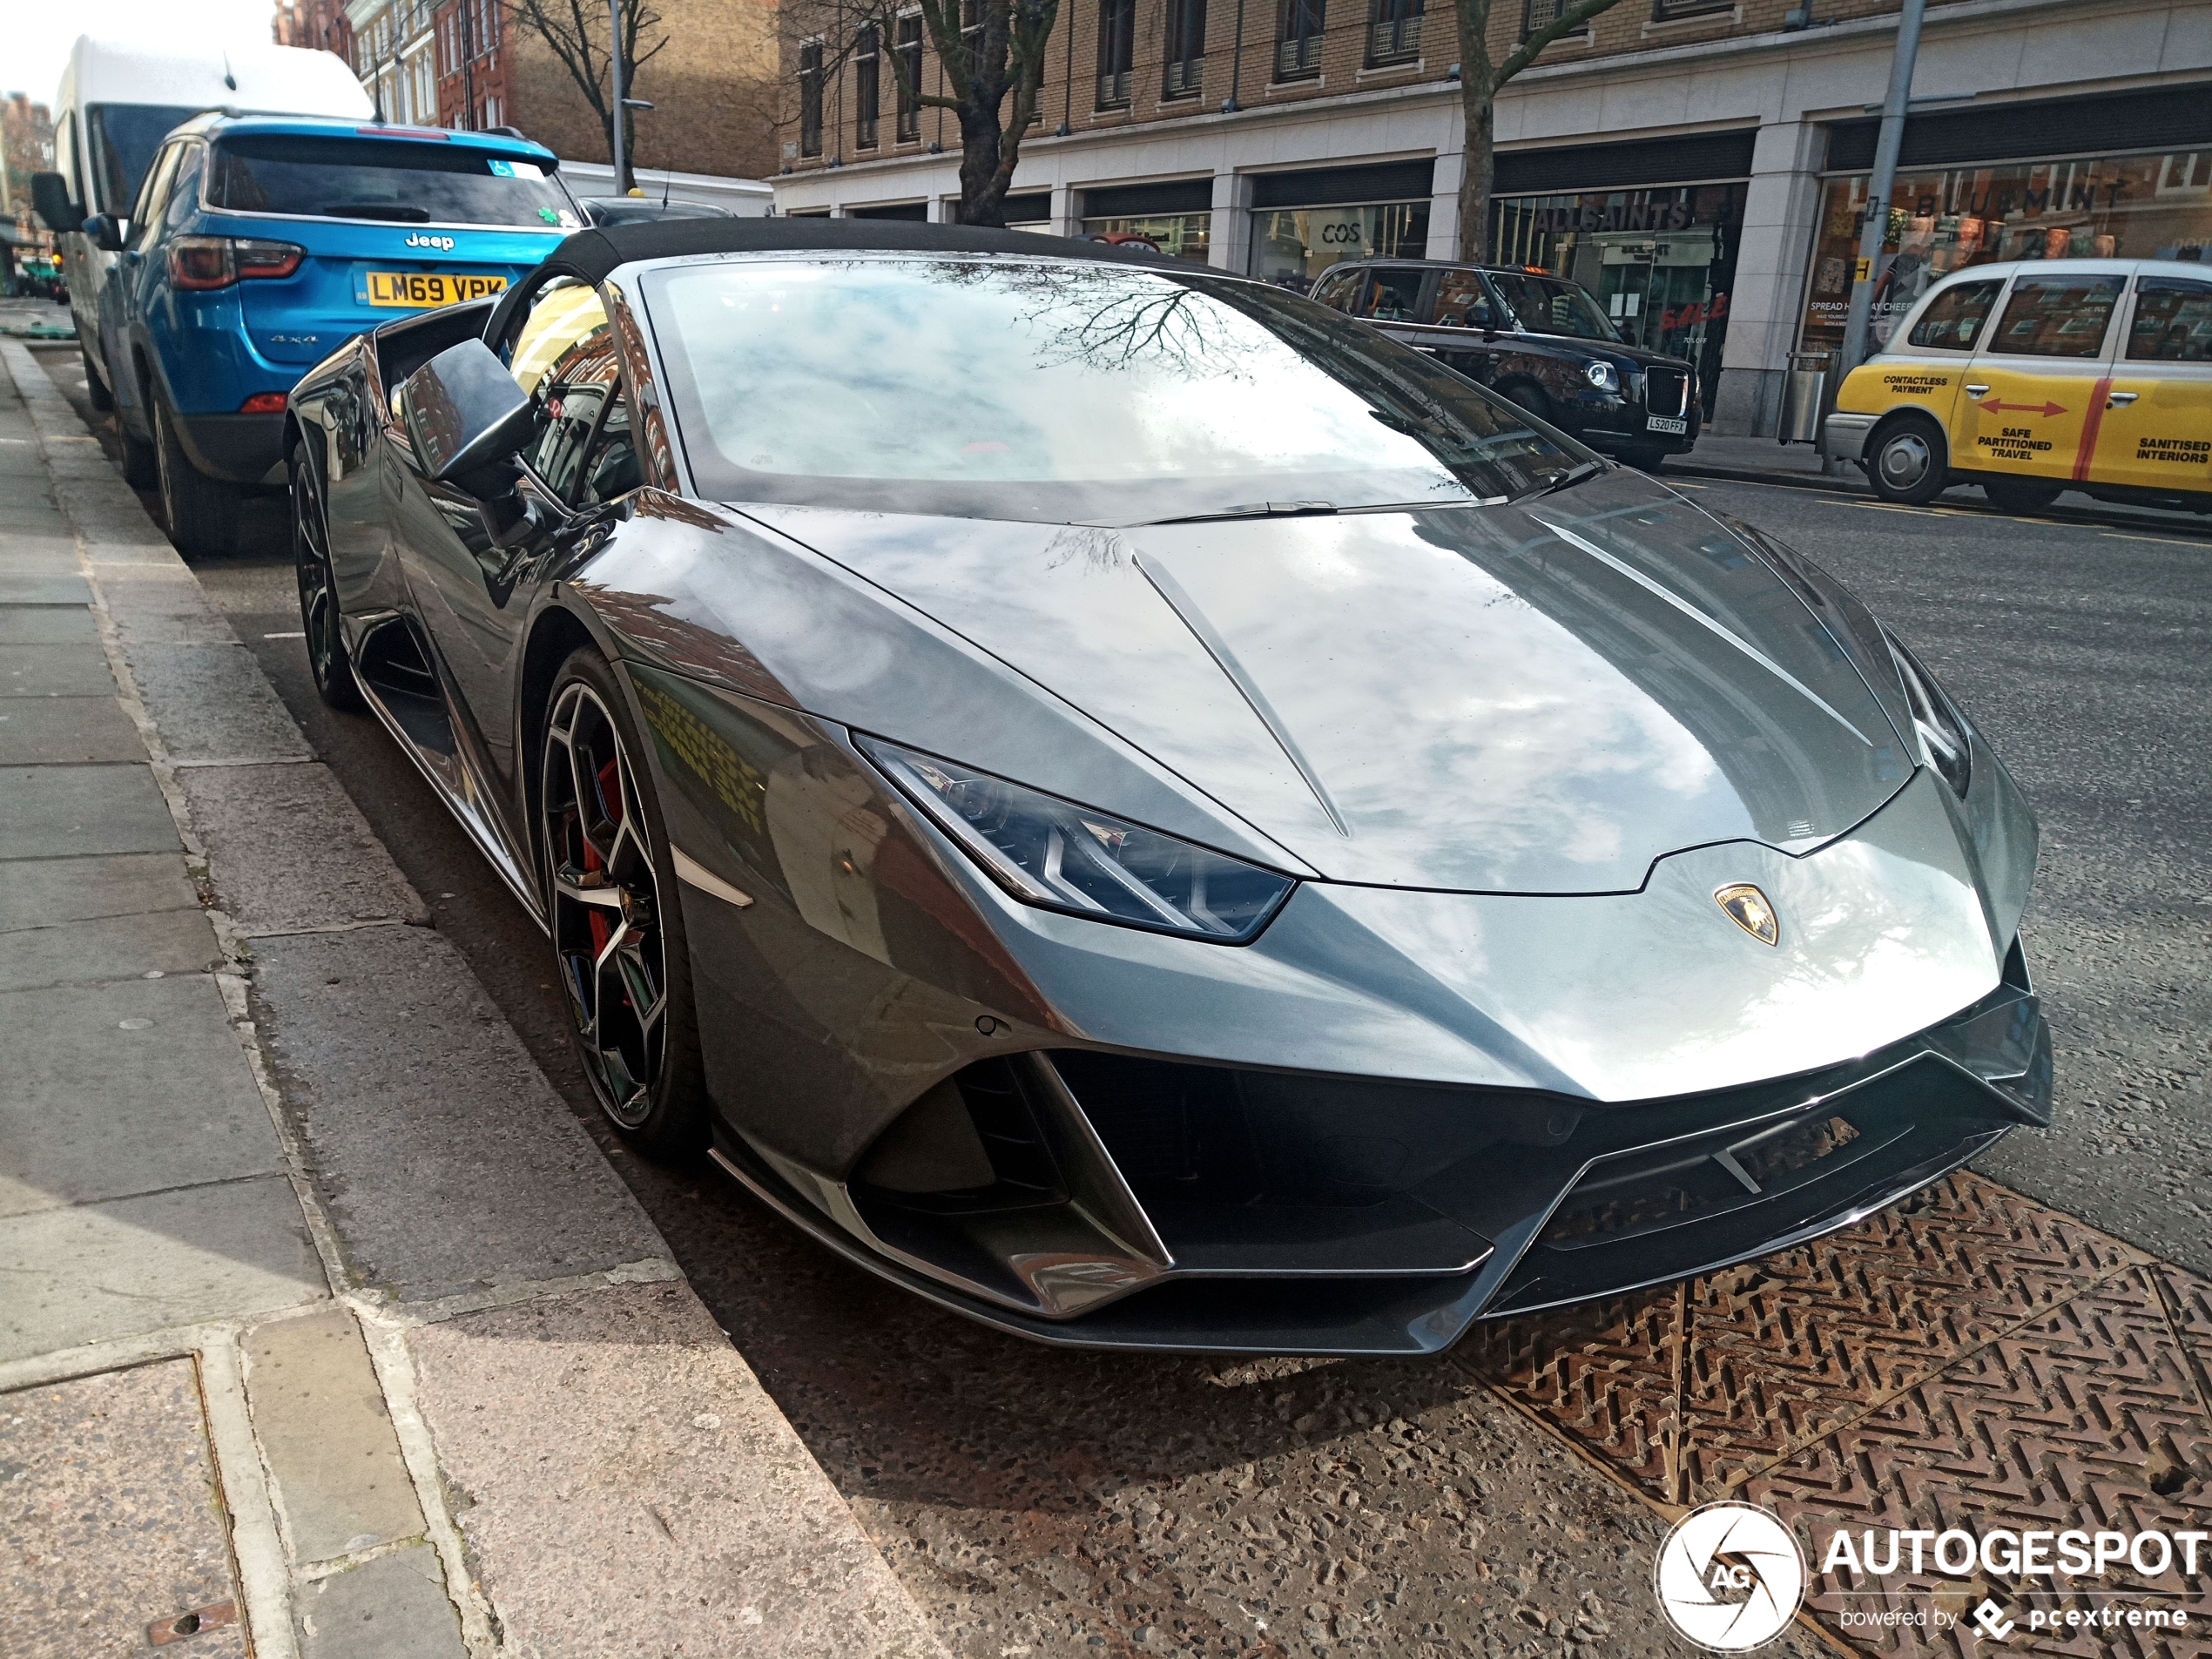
2163 541
297 635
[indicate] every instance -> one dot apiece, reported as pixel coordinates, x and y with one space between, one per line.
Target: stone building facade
1699 164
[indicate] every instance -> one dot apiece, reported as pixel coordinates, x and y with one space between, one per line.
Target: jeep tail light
263 403
200 262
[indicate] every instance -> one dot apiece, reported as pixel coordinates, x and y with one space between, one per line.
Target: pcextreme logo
1729 1577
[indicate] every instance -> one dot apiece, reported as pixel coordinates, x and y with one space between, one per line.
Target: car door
1466 321
1925 368
123 294
2155 427
2034 377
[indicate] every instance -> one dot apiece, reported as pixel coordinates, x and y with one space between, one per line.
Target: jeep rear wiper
397 213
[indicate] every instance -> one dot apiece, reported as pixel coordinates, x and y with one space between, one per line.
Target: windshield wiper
397 213
1579 473
1255 510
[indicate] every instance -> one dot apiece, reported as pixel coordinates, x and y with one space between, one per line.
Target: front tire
1529 396
201 512
616 916
318 614
96 389
1908 462
2020 495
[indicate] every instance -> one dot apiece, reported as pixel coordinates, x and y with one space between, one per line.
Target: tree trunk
1477 96
982 192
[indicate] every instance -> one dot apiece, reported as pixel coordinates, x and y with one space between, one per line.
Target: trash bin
1802 392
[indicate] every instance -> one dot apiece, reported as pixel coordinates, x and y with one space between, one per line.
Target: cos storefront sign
2015 182
1303 223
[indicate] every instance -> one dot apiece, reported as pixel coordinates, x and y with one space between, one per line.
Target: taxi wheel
1908 462
2020 495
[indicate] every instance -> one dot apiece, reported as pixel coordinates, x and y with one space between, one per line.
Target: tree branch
1569 21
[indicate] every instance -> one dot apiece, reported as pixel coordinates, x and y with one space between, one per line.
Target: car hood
1537 699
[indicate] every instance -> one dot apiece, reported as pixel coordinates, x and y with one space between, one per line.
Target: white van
118 101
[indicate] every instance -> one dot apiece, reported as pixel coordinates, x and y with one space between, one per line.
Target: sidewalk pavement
329 1330
1761 461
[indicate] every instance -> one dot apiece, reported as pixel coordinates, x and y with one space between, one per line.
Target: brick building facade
1698 165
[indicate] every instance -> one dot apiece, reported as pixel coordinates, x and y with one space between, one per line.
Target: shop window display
1293 245
1183 236
2147 206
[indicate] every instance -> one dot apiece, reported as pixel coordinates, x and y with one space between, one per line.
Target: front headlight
1942 730
1060 856
1604 376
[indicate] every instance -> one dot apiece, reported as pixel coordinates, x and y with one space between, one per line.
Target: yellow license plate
415 289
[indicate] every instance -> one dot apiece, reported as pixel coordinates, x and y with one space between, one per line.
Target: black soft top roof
591 255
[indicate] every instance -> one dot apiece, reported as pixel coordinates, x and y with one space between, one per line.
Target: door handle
2120 400
1977 391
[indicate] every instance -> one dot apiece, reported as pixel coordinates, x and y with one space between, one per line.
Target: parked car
1150 813
644 210
116 103
2031 378
1538 341
257 244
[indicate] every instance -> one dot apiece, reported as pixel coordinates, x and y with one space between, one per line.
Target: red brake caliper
609 781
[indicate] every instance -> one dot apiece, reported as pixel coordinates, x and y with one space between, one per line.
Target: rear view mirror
463 411
49 196
105 231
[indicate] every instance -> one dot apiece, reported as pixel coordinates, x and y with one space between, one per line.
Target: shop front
1652 230
1303 223
1175 216
1959 201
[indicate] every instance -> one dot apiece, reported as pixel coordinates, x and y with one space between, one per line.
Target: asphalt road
1038 1501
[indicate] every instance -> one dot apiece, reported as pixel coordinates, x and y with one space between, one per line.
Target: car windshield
1064 392
1547 305
398 181
124 138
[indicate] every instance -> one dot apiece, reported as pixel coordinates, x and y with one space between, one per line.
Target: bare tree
577 33
990 58
1479 79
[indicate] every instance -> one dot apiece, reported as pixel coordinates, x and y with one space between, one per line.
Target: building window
909 47
1394 32
1297 52
1540 14
868 86
1116 46
810 98
1186 52
1667 10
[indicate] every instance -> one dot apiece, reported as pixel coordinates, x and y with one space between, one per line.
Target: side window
153 195
2057 316
610 467
1461 300
1340 290
2173 321
1396 296
1953 319
183 190
563 356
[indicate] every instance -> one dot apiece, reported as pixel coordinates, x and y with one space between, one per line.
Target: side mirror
463 411
49 197
105 231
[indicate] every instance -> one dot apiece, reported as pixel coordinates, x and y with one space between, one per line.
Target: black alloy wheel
614 915
319 617
2020 494
1908 462
201 513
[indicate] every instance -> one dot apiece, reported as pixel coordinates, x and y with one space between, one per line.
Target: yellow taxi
2036 376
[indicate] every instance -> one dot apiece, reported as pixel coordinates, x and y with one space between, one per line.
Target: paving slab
36 548
96 1271
395 1607
38 892
56 811
162 605
293 852
654 1468
319 1413
66 731
154 1064
31 589
47 626
211 702
78 669
109 1505
110 948
446 1160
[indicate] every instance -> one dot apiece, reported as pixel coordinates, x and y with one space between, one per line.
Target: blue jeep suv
257 245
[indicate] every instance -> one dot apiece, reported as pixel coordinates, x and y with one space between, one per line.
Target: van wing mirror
463 411
49 196
106 231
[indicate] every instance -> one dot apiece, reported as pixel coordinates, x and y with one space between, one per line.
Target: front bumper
1141 1203
1842 437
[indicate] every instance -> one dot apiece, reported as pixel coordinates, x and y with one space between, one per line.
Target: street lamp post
614 104
1875 231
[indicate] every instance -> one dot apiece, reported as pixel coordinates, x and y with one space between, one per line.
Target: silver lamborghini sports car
1147 812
